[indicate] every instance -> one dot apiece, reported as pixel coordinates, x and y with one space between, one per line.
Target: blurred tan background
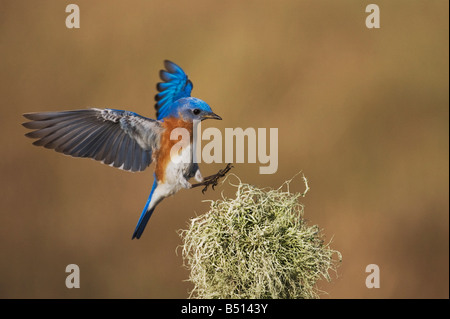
363 113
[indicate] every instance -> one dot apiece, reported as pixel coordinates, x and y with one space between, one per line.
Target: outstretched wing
118 138
176 85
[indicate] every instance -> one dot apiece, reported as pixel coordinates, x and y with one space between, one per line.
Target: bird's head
193 109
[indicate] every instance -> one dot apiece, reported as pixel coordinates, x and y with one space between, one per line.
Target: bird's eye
196 111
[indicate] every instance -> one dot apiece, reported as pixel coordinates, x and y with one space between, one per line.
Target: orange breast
163 154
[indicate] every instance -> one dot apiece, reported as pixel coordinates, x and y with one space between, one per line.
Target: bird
131 142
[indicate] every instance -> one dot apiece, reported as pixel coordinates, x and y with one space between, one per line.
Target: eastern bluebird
131 142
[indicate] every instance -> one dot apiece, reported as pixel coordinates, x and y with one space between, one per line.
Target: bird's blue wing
176 85
118 138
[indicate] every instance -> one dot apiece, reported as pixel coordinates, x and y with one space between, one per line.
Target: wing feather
118 138
176 85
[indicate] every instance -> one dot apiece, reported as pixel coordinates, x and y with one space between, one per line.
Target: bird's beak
212 116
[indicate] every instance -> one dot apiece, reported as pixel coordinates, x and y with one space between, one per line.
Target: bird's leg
185 183
213 179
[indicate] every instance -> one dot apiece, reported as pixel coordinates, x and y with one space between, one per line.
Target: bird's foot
213 180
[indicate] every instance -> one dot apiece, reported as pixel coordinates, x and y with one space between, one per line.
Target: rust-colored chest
166 143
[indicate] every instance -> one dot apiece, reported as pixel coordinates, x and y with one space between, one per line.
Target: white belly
178 171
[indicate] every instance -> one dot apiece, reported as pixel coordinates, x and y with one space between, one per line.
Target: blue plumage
146 213
176 85
129 141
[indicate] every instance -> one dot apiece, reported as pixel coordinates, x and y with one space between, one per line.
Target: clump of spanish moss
256 245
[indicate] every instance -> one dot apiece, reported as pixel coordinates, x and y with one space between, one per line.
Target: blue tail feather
146 214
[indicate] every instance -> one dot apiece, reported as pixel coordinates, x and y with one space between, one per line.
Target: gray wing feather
118 138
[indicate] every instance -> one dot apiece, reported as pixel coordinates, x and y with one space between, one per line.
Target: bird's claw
213 180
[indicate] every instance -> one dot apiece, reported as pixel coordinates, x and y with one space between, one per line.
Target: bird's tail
146 214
